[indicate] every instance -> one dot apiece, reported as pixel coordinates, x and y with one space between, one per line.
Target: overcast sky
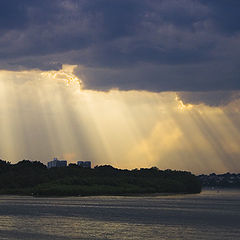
156 45
141 57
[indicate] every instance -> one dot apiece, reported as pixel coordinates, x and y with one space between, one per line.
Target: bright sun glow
65 74
45 114
181 106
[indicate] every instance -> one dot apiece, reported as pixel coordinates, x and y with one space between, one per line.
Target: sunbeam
47 114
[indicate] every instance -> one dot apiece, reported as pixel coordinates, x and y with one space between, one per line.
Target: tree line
34 178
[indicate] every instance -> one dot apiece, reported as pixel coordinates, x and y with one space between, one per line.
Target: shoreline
165 194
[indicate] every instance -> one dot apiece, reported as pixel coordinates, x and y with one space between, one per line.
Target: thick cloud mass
216 98
156 45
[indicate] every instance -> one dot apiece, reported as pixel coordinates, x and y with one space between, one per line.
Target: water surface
209 215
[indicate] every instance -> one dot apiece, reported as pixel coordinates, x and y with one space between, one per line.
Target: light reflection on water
209 215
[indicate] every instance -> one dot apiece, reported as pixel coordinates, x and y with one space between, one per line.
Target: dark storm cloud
156 45
213 99
225 15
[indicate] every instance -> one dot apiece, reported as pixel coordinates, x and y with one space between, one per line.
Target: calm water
209 215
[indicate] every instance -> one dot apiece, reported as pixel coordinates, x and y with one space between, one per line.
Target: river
209 215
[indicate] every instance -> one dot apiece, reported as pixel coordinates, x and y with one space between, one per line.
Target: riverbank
34 179
30 194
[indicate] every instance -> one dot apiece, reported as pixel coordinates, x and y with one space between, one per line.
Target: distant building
85 164
57 163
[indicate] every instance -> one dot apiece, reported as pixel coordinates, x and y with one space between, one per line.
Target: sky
123 82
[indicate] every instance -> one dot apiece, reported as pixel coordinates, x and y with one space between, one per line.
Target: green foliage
33 178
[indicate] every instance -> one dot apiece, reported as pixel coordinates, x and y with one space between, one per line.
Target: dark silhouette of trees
33 177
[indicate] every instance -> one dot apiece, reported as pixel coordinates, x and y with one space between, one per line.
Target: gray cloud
166 45
214 98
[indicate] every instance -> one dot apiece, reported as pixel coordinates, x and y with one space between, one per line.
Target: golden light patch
47 114
181 106
66 74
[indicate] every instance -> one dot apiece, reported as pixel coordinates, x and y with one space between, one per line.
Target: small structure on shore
84 164
57 163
